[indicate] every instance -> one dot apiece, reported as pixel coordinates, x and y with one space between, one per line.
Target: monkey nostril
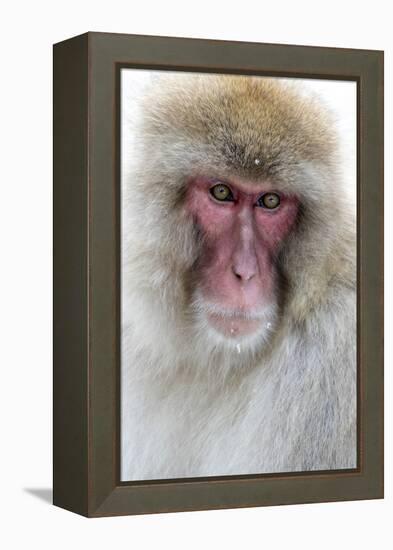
243 275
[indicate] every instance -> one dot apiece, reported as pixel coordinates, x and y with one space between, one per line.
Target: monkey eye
269 200
221 192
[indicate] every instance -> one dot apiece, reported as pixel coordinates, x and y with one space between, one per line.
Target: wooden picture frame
86 274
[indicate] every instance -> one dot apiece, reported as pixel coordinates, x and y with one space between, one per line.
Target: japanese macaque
238 284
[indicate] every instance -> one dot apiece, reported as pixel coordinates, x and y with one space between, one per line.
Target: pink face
244 226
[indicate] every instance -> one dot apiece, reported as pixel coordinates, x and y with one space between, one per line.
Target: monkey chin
233 329
234 326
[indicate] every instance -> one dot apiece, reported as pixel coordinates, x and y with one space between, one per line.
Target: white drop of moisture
257 161
238 348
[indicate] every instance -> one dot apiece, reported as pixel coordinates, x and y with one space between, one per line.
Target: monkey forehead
252 124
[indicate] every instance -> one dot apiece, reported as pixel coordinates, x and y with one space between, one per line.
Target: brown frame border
86 274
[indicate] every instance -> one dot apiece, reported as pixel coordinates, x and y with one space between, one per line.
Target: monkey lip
233 326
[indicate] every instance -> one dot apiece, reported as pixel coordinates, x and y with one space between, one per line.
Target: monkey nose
243 272
244 262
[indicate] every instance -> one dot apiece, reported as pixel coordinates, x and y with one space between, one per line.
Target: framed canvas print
218 249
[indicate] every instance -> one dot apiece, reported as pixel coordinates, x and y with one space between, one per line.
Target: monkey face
233 209
243 226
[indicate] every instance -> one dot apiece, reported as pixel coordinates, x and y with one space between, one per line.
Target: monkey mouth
236 323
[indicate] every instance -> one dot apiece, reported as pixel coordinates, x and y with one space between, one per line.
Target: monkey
238 350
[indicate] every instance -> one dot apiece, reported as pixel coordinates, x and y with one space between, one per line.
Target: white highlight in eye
257 161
